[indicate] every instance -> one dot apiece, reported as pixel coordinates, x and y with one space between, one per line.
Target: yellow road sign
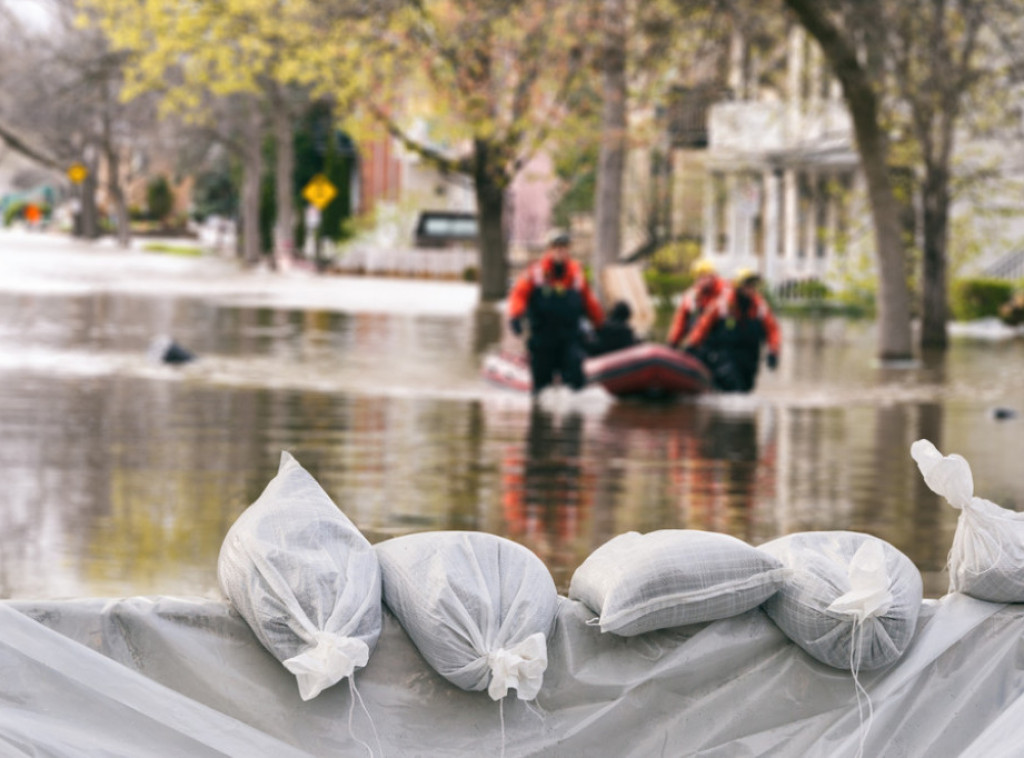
319 191
77 173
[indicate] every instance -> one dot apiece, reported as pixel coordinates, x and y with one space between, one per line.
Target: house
779 179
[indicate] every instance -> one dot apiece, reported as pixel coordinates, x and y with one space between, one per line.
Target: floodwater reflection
122 477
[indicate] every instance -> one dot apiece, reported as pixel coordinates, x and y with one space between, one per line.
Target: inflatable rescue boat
649 370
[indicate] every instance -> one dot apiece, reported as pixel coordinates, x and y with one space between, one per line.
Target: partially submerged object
164 349
648 370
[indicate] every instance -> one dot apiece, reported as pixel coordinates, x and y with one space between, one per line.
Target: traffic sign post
319 191
77 173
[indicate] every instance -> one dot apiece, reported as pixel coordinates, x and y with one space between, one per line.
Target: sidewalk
50 262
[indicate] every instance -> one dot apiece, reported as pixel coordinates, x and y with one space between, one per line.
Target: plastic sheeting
186 677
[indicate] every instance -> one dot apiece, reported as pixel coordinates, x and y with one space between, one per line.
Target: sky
33 13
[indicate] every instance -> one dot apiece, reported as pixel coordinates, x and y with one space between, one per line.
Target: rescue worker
553 297
706 288
615 333
729 336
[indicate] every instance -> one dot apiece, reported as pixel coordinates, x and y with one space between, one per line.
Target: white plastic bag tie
869 593
521 666
946 475
331 659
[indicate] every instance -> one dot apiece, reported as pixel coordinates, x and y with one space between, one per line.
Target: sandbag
986 560
305 580
637 583
851 601
478 607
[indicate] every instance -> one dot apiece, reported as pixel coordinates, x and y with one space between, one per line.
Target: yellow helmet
702 267
746 276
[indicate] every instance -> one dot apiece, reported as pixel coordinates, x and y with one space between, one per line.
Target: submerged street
123 475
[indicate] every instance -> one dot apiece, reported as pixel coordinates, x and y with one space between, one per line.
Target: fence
448 263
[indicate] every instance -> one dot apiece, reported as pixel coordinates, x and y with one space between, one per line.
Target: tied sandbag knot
946 475
331 659
521 666
869 594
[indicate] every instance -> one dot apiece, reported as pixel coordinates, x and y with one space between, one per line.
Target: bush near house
1011 312
972 299
159 198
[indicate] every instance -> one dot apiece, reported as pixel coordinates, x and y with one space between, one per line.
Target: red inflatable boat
646 370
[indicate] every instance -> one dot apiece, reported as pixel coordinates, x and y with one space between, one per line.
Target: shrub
664 286
159 198
978 298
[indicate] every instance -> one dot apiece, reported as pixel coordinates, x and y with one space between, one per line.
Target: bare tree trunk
611 160
489 184
284 226
894 333
124 234
88 225
252 169
114 174
934 274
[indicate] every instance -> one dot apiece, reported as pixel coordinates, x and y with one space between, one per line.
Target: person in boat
615 333
730 335
553 297
706 288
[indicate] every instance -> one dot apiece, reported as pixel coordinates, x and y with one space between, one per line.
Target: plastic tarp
165 676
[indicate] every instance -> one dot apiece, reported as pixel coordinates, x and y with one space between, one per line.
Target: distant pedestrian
730 334
554 299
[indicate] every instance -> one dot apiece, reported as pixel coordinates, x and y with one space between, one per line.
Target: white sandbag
637 583
304 578
851 601
986 560
477 606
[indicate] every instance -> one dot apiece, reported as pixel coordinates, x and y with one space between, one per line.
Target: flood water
121 476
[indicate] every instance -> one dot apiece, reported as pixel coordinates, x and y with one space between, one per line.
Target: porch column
789 220
771 224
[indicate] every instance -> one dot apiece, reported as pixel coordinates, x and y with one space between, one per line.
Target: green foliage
183 250
17 208
978 298
320 148
159 198
664 286
214 194
576 168
676 257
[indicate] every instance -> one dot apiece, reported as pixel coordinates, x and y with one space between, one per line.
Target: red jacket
694 302
539 274
726 307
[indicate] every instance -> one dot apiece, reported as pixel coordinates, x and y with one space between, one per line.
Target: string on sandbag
501 717
351 711
856 638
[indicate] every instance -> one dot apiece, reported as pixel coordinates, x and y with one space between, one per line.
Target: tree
822 22
228 65
474 86
938 68
61 85
953 60
611 162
